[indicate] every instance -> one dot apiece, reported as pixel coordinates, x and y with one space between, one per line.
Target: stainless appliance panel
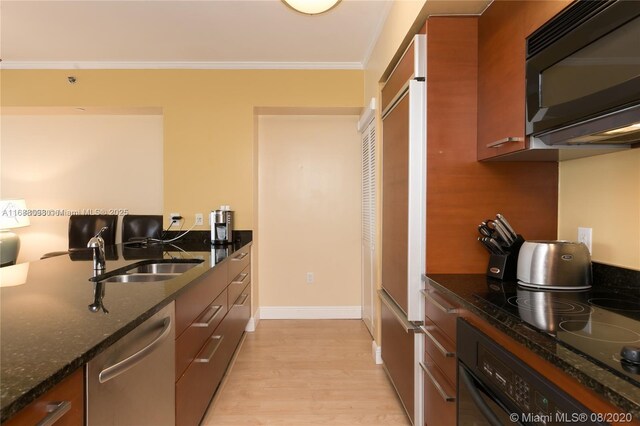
582 65
133 381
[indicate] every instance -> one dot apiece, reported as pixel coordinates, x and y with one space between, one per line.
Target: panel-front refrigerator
404 225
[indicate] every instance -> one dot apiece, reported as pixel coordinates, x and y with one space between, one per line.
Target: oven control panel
519 390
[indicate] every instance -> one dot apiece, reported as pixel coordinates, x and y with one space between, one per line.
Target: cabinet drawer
238 262
191 341
398 357
441 312
235 322
199 296
440 349
439 396
65 400
238 284
196 387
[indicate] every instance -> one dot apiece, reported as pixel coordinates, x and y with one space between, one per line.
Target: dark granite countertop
470 290
47 330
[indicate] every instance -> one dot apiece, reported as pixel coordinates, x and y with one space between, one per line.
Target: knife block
505 266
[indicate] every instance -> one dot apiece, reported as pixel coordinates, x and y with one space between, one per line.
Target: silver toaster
554 265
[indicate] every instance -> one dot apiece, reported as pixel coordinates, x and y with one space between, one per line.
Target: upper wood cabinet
502 30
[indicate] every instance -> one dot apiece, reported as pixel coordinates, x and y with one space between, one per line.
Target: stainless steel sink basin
139 278
163 268
154 271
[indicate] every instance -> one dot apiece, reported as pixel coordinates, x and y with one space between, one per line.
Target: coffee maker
222 226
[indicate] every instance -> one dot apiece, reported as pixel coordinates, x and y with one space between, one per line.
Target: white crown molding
376 33
87 65
310 312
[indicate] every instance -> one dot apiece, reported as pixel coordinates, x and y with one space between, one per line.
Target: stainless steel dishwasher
133 381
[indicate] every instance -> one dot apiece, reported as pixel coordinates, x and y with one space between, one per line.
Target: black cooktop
598 322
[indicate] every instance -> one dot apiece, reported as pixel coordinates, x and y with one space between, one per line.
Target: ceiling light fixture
311 7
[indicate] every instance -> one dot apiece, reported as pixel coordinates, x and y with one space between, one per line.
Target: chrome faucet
97 245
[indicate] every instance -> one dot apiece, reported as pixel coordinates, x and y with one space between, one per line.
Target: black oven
583 67
495 388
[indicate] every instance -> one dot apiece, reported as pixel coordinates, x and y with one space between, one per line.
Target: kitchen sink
163 268
150 271
139 278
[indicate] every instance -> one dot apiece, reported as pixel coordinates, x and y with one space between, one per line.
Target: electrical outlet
172 215
584 236
199 219
310 277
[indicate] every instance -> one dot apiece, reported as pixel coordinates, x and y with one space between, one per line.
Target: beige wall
79 162
309 210
208 119
603 193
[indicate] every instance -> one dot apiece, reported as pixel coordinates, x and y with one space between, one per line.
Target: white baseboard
377 352
253 322
311 312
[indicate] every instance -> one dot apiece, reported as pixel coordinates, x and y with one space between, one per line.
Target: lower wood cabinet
63 405
440 362
398 356
439 395
215 313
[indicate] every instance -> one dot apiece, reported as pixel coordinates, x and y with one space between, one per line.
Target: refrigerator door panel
395 198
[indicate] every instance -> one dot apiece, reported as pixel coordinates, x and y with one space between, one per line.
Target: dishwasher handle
122 366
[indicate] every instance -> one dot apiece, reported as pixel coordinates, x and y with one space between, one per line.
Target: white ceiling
182 33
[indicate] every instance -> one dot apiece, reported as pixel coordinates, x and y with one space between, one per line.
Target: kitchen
220 124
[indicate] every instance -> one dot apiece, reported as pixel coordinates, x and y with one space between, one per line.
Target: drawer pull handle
444 351
212 350
499 143
239 257
214 312
122 366
396 311
240 278
55 410
439 304
438 386
246 296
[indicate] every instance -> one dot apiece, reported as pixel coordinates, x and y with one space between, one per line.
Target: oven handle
477 399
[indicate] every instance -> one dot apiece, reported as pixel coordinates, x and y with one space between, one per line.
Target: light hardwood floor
306 372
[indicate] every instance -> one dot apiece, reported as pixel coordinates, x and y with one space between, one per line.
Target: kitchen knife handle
499 143
507 225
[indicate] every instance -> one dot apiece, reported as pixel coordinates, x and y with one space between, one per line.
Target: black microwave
583 75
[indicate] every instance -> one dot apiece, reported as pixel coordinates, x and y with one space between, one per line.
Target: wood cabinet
440 365
502 30
64 402
212 316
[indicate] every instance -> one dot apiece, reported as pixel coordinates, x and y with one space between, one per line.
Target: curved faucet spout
96 243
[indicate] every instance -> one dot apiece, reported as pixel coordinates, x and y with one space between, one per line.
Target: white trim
311 312
377 352
377 33
64 65
253 322
367 116
417 203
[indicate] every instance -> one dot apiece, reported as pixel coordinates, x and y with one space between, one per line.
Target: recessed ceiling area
194 34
